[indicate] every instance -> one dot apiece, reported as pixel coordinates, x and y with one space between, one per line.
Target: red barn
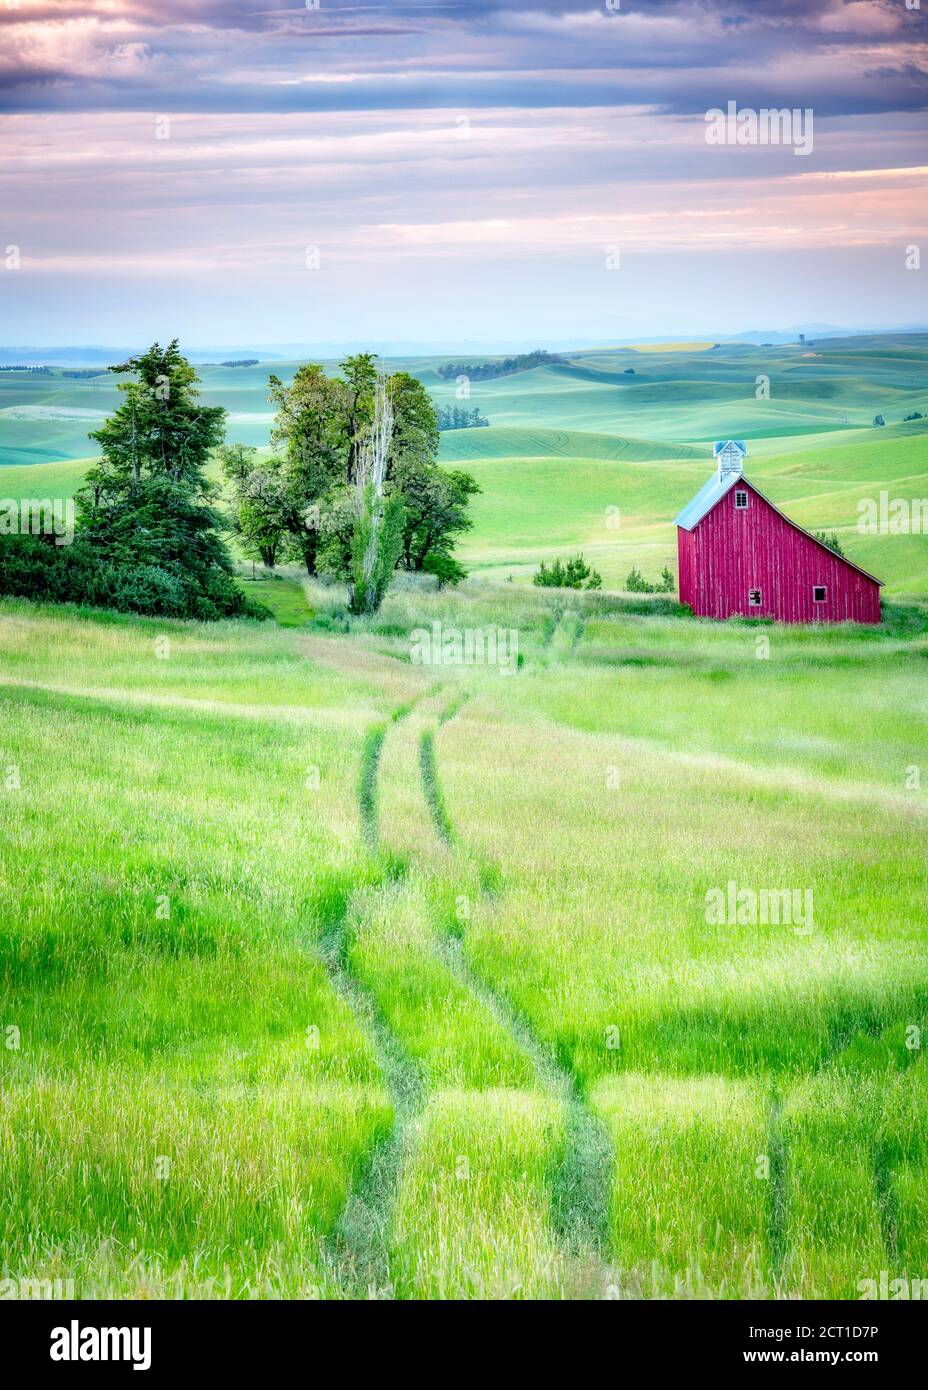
738 554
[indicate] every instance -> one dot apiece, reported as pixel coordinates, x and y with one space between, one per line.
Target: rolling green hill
43 479
514 442
615 434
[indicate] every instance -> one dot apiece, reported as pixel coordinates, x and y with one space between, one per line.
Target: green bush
444 567
831 541
637 584
576 574
34 567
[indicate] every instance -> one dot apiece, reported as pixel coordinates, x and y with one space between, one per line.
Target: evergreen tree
148 505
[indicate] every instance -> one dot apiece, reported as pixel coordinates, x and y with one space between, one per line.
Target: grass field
299 998
324 974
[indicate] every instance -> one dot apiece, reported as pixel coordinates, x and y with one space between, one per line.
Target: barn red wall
730 552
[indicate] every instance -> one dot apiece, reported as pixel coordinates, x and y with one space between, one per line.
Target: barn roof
716 488
711 492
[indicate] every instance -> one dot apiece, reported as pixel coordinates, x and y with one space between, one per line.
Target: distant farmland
599 452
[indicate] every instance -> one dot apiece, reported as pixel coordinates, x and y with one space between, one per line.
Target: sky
457 171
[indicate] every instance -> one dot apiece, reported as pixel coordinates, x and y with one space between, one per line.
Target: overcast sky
465 171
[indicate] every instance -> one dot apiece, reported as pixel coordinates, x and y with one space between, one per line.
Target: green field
327 974
584 455
301 999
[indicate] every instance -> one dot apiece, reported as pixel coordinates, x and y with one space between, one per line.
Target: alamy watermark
47 1290
732 906
890 1290
892 516
768 126
47 516
469 646
78 1342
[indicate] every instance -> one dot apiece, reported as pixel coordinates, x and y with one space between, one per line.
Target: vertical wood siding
730 552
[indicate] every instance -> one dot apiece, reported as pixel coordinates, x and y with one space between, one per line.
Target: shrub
34 567
637 584
831 541
576 574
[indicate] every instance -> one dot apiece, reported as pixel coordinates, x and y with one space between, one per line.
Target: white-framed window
819 593
754 598
741 499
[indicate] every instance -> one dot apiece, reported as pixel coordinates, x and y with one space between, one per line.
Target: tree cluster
830 540
352 490
308 500
455 417
503 366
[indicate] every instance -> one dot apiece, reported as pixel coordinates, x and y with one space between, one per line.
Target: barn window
754 598
741 500
819 593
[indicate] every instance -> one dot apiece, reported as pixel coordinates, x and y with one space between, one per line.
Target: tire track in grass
357 1251
428 772
371 753
778 1190
886 1200
582 1181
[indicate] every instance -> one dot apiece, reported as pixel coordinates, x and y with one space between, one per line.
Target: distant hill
583 454
546 443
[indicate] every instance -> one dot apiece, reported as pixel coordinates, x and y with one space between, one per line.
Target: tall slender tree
377 535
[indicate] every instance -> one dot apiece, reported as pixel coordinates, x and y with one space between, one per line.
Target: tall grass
235 930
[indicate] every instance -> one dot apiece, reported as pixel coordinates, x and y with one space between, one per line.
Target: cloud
343 128
679 55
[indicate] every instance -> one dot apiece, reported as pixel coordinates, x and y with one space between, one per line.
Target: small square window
819 593
741 500
754 598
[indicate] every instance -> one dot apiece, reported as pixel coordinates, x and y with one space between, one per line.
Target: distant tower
802 337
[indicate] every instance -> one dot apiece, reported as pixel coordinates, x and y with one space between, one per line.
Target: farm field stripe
295 714
772 777
358 1249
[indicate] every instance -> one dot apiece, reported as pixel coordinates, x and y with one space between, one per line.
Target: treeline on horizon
353 490
505 366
